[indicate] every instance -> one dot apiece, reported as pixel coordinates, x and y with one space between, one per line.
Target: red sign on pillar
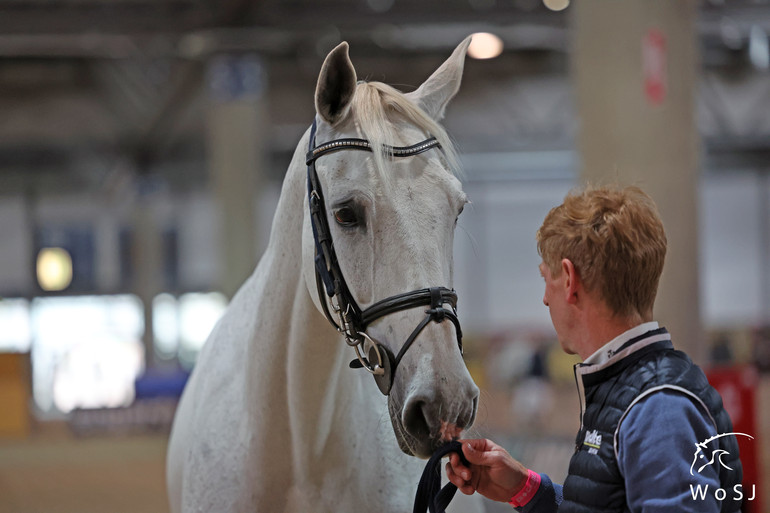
654 66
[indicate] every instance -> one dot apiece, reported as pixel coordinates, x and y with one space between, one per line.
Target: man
644 405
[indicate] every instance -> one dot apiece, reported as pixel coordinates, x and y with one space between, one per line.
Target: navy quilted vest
640 366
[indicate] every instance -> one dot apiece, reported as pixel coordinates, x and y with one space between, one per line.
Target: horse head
708 452
392 223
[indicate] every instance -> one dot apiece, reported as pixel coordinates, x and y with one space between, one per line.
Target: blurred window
86 351
198 313
15 337
182 325
165 325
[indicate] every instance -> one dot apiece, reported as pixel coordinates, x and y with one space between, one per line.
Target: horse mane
377 107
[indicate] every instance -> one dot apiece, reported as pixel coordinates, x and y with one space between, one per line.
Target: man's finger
463 485
467 489
455 478
476 452
458 467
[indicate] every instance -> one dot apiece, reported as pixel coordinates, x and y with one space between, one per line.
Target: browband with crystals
364 145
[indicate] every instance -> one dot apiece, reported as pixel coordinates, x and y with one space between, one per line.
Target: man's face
555 299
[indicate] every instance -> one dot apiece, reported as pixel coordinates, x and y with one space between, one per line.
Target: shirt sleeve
546 499
656 452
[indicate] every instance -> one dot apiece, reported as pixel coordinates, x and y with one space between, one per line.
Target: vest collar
604 353
588 374
619 357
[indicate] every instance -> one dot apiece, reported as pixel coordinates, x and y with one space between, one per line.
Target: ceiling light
54 269
485 46
556 5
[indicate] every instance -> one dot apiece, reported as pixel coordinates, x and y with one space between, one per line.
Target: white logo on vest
593 440
708 453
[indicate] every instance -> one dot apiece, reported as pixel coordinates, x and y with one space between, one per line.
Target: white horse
272 419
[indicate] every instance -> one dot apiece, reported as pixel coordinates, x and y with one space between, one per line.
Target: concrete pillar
635 68
147 258
237 120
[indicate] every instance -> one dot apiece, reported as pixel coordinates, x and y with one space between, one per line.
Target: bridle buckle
379 368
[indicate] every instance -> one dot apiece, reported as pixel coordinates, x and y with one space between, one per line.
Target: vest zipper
581 398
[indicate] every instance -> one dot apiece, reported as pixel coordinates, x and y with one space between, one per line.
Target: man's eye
345 216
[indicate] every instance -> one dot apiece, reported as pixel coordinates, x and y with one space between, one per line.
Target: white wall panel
731 253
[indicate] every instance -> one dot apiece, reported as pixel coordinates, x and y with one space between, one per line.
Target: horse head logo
708 452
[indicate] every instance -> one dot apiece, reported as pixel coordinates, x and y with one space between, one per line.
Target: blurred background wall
142 148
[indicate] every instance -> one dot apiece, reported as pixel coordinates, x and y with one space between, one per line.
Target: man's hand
493 473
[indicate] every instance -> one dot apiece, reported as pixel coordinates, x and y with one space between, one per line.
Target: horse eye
458 214
345 216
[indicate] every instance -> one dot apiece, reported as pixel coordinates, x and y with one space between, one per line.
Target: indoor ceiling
91 86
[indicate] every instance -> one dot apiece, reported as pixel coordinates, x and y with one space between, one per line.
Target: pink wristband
525 495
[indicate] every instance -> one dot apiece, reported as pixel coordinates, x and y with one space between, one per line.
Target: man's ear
571 281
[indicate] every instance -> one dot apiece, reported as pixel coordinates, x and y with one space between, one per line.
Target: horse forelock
379 109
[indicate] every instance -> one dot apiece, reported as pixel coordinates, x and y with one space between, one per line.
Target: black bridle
353 322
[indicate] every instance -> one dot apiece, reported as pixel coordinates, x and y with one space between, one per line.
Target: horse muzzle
432 412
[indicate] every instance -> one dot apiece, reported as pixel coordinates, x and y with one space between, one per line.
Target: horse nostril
467 419
426 417
416 420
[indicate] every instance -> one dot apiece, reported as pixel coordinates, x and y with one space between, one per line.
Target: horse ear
436 92
336 85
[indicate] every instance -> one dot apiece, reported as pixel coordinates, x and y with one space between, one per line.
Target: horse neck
325 399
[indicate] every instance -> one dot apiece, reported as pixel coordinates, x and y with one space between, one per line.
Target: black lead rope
430 495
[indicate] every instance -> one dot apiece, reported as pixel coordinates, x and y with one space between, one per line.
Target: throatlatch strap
429 496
